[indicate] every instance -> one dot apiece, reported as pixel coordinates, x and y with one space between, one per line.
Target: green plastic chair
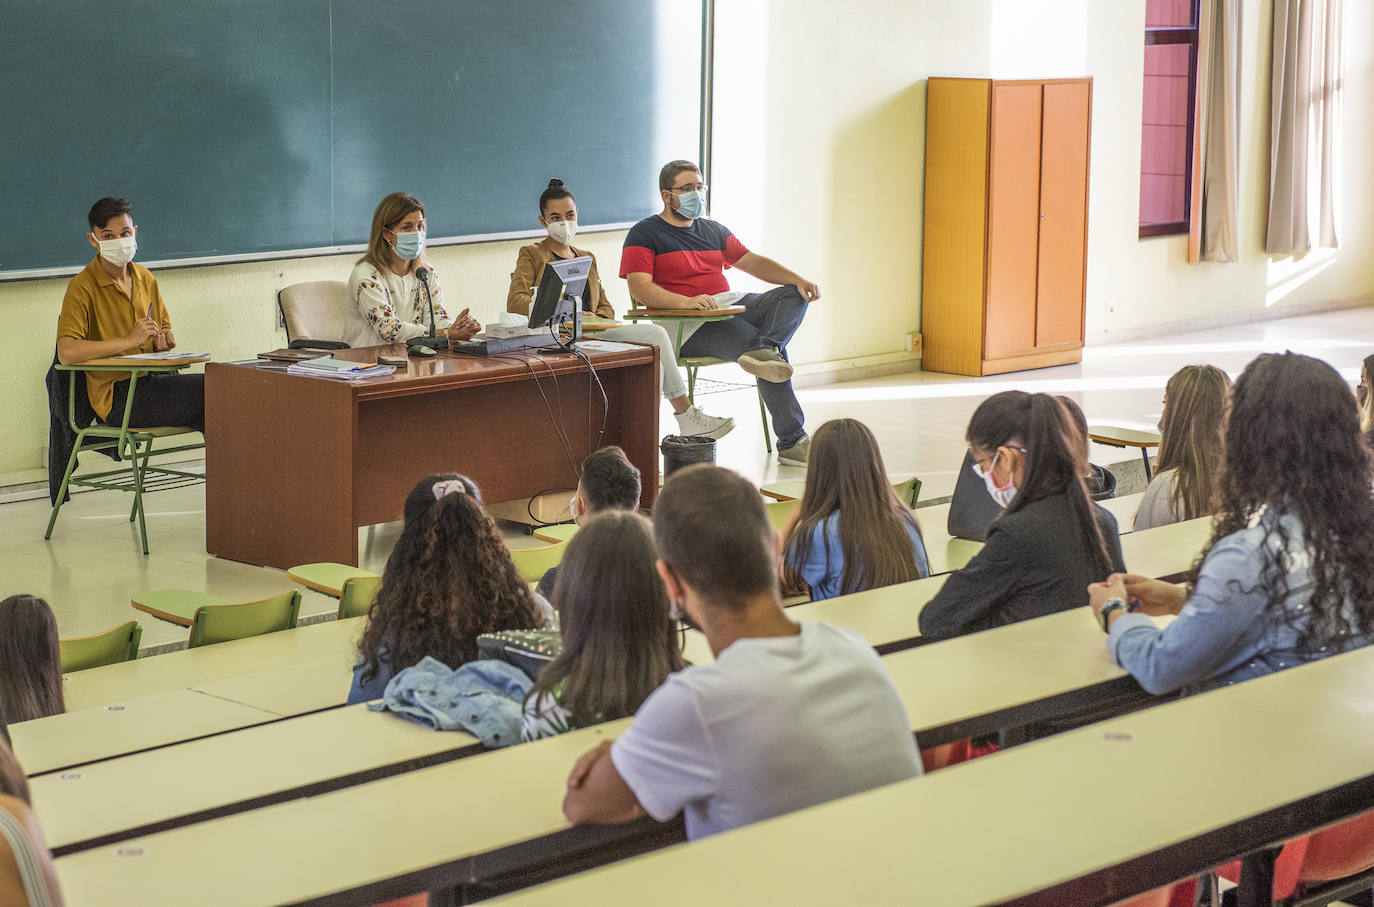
222 623
327 578
780 511
533 563
357 596
111 647
133 445
909 492
555 533
177 606
693 364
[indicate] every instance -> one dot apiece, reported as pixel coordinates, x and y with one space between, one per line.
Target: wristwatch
1111 606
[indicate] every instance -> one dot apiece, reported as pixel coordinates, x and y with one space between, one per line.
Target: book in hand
339 369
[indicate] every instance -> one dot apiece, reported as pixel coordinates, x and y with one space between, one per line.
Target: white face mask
1003 495
118 252
562 231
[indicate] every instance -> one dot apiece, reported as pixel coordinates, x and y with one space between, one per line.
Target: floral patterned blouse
394 305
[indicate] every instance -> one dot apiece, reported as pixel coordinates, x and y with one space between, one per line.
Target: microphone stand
434 341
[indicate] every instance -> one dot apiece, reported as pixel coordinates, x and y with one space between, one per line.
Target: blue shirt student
823 567
1227 632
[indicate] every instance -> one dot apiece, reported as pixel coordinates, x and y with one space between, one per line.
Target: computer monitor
562 283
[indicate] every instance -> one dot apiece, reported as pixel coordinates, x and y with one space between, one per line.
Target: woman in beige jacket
558 215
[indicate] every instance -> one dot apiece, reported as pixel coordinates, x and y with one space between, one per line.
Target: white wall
819 130
818 162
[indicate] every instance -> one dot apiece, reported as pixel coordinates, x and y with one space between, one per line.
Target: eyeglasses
699 187
982 473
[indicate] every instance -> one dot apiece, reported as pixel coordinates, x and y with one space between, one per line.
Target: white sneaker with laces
693 423
766 364
797 454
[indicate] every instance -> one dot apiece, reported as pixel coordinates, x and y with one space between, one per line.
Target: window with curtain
1166 147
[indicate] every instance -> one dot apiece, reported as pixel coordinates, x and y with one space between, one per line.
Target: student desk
116 799
340 840
934 520
518 792
99 732
330 641
339 455
1090 816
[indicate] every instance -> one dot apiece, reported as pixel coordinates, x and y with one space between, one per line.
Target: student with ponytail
558 215
1049 537
448 580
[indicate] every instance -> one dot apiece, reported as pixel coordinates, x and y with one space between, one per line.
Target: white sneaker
797 454
766 364
694 423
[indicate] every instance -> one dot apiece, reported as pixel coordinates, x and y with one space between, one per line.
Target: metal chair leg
140 464
1145 455
767 438
62 490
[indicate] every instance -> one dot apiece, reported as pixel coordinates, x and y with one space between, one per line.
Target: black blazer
1032 565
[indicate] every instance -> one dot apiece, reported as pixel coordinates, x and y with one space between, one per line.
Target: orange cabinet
1006 212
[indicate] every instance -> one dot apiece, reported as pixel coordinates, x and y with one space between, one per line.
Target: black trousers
162 400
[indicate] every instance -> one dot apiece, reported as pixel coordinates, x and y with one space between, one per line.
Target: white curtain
1305 126
1214 228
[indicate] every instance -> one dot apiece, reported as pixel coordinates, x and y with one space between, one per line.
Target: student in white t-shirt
788 716
385 287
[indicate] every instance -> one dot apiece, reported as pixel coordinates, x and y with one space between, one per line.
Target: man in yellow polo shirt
114 307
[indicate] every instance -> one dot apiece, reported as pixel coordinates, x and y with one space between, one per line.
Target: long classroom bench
1040 674
1088 817
887 618
1045 666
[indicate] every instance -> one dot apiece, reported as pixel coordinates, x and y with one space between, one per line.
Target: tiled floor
92 565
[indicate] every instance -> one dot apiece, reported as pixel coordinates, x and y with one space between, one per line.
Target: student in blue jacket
1288 576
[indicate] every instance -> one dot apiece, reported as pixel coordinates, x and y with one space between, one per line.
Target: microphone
433 341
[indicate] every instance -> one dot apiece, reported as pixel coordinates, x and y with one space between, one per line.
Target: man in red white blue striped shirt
677 258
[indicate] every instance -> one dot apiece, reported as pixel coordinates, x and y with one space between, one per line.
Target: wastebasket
679 451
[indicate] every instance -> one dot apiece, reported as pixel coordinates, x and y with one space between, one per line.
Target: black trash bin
679 451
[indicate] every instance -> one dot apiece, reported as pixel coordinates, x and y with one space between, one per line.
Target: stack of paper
340 369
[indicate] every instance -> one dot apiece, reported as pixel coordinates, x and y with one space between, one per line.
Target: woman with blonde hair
393 283
1188 470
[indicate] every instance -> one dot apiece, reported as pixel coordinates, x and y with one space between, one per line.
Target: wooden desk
1166 551
328 460
332 640
1052 658
1086 817
359 835
101 732
117 799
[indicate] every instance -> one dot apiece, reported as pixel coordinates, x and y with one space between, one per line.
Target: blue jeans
768 320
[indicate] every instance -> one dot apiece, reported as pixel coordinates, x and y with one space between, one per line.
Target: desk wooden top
138 791
100 732
1165 550
1117 436
1127 793
451 370
340 840
292 689
190 667
141 365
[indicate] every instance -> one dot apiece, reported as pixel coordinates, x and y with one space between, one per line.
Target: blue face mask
409 245
691 204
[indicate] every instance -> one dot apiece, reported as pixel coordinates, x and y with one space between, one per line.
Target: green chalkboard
254 127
